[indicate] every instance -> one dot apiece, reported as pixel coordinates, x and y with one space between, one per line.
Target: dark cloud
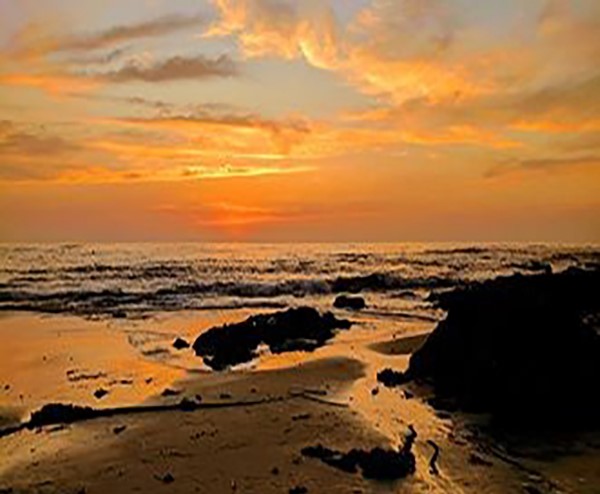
542 164
17 142
175 68
101 58
547 163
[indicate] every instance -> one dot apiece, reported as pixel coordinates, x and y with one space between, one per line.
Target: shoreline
214 446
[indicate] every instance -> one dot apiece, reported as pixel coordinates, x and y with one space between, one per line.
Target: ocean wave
191 295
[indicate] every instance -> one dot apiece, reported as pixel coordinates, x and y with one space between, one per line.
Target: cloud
17 142
233 134
543 164
282 28
175 68
33 41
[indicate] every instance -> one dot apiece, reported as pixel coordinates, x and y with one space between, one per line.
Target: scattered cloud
33 41
171 69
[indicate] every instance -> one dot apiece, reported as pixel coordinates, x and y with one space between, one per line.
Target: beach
249 424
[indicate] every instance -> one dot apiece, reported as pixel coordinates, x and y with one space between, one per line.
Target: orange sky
339 120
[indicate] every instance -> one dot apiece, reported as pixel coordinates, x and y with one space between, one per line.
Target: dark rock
180 344
295 329
475 459
100 393
508 344
433 469
166 478
57 413
348 302
118 429
391 378
301 416
378 463
119 314
375 391
225 396
531 489
274 471
299 489
170 392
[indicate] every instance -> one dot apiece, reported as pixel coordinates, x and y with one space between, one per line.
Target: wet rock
301 328
57 413
180 344
118 429
475 459
167 478
391 378
299 489
170 392
531 489
349 302
100 393
508 344
433 469
301 416
377 463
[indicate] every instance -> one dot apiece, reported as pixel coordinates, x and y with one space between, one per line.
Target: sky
289 121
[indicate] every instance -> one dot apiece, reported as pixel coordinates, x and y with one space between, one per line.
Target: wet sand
330 396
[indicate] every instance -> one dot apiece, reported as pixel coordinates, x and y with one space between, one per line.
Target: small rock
375 391
170 392
180 344
274 471
167 478
531 489
348 302
475 459
299 489
225 396
119 428
100 393
301 416
408 395
391 378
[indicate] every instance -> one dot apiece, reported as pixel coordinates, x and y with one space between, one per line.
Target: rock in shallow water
180 344
297 329
512 345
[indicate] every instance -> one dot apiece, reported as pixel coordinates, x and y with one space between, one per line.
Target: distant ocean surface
138 280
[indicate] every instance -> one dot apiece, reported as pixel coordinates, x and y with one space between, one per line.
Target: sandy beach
273 409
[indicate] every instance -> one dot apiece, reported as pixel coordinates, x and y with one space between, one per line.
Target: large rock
302 328
523 347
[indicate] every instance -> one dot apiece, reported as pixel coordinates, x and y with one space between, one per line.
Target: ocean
139 280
